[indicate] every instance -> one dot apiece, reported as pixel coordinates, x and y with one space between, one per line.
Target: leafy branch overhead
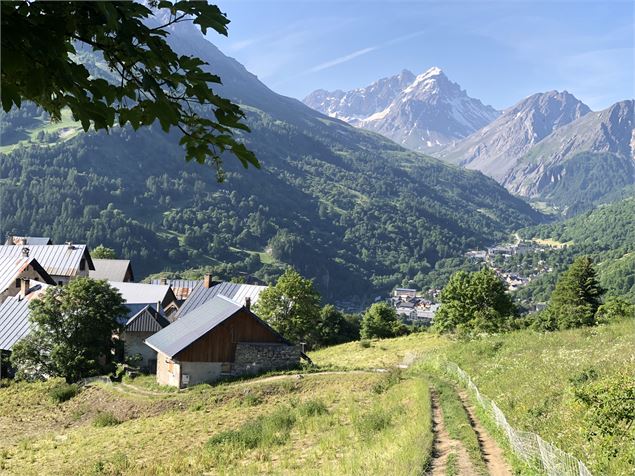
40 41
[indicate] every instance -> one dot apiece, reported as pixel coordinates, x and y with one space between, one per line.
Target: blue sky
499 51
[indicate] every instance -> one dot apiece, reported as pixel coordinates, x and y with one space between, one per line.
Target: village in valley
170 326
29 265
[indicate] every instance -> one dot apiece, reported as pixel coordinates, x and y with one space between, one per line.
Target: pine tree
577 296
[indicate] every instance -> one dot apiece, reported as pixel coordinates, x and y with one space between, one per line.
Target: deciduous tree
40 45
380 321
292 307
474 302
72 330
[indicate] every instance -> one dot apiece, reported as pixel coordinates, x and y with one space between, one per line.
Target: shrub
251 400
376 420
364 343
269 430
63 392
388 379
105 419
312 408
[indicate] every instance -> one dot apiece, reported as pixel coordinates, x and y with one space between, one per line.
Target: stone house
219 338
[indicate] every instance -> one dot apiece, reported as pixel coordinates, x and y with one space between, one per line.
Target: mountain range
345 206
549 146
423 113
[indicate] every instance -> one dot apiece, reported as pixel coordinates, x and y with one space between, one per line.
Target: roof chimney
24 287
25 252
164 281
207 281
248 303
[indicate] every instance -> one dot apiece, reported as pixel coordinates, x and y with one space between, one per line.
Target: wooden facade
219 345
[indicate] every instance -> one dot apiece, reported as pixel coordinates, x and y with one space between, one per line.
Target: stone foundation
253 357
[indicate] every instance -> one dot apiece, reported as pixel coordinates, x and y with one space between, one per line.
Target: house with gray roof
28 240
119 270
160 296
182 288
208 289
144 321
219 338
61 262
15 271
14 318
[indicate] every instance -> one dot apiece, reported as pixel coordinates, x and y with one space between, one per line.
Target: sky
499 51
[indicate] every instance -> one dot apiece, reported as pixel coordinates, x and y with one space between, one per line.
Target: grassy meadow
320 424
532 376
348 419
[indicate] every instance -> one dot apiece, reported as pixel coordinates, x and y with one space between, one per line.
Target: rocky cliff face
497 148
423 113
609 132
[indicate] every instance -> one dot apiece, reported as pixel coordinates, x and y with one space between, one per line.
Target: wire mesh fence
528 446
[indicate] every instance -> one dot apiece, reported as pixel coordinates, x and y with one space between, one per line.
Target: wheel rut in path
491 452
444 445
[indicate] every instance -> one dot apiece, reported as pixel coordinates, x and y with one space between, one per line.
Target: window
82 265
17 282
61 283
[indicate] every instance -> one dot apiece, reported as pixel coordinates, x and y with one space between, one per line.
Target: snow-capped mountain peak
421 112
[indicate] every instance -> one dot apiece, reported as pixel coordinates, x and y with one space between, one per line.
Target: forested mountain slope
607 234
347 207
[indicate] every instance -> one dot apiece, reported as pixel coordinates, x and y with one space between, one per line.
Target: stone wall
253 357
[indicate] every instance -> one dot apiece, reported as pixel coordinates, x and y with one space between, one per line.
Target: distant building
218 338
119 270
138 295
28 240
209 289
404 293
182 288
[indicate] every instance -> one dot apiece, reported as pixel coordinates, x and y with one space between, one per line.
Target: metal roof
14 316
28 240
111 269
182 287
11 267
237 292
147 319
182 332
57 260
141 293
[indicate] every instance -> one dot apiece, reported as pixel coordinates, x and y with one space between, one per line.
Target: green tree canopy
380 321
334 327
474 302
614 308
292 307
576 298
40 44
101 252
72 331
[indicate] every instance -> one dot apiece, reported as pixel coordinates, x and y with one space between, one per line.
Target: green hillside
349 208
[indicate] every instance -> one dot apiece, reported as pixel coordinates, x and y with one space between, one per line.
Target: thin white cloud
341 59
361 52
